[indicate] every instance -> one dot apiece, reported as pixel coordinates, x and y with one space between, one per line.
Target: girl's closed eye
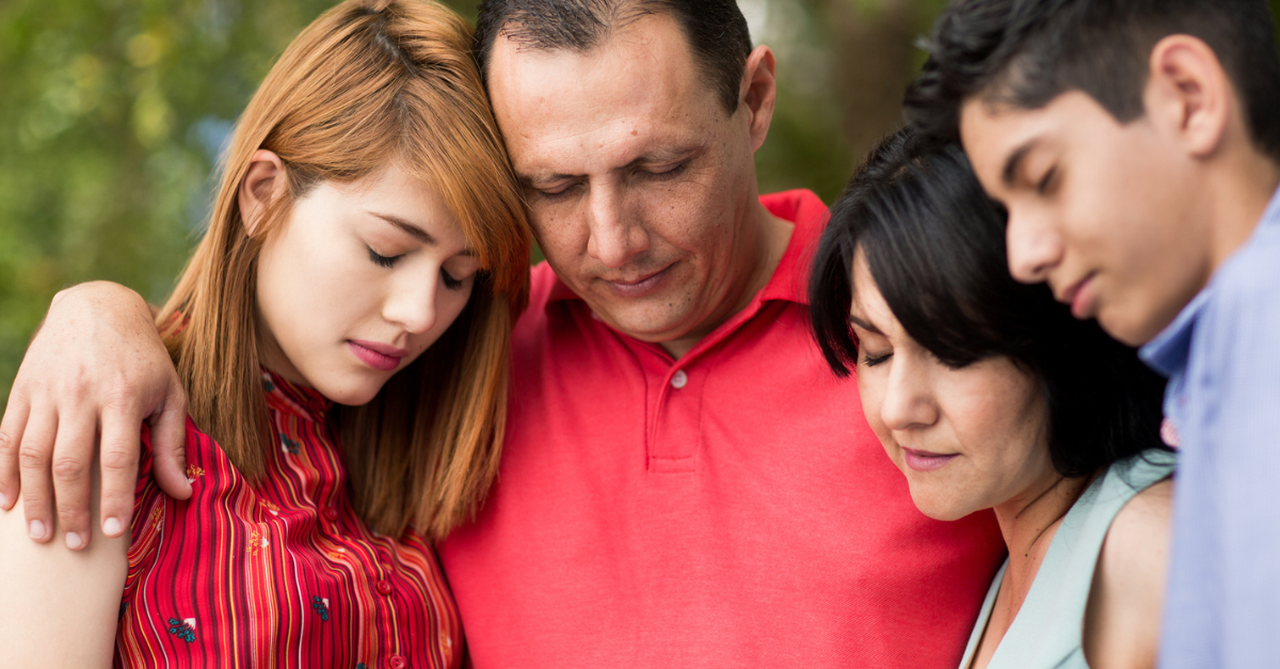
381 260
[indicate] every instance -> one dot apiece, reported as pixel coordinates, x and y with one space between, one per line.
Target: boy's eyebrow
865 325
1009 174
413 230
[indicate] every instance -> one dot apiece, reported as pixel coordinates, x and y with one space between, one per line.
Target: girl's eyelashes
450 282
381 260
388 262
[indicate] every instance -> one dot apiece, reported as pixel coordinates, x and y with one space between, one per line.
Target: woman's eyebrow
864 325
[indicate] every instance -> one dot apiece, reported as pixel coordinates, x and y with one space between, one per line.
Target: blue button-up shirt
1222 357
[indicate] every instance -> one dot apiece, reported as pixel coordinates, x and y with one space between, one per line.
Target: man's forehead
566 112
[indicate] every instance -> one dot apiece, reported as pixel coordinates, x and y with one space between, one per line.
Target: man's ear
262 184
1189 94
759 92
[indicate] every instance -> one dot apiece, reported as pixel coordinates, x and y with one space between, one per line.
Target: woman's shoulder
1122 619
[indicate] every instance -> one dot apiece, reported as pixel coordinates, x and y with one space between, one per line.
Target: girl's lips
377 356
924 461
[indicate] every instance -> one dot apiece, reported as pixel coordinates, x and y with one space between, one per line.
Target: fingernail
37 529
74 540
111 527
4 501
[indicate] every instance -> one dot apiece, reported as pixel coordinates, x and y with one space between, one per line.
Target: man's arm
94 372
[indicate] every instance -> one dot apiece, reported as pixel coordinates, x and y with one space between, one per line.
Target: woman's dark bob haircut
935 245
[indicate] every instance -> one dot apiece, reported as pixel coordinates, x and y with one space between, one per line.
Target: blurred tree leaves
112 113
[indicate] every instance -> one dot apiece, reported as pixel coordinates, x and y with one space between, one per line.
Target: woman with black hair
987 394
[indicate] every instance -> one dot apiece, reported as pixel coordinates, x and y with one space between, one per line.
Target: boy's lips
1080 297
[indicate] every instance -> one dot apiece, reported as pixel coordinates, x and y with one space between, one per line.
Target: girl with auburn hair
342 332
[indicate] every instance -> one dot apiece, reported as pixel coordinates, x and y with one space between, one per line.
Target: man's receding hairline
621 15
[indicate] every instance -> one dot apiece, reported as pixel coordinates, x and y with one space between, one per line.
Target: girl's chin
352 396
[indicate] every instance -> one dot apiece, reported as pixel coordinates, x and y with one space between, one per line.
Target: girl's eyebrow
413 230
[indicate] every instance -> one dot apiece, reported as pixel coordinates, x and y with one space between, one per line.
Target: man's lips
377 355
924 461
639 286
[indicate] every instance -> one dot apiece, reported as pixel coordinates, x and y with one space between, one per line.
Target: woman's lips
378 356
924 461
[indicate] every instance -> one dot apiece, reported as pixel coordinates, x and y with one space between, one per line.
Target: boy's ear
1190 94
263 182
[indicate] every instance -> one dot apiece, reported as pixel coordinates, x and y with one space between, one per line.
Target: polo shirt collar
1168 352
803 209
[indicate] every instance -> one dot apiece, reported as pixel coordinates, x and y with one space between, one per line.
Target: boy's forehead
996 136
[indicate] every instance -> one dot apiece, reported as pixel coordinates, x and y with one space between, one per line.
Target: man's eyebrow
657 157
865 325
414 231
669 155
1009 174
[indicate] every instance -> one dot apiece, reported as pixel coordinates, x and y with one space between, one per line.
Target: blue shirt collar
1168 352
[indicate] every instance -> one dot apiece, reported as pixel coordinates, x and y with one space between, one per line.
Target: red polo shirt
731 508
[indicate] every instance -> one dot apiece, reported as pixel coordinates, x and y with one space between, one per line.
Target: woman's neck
1028 523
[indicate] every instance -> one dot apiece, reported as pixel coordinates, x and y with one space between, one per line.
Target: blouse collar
283 395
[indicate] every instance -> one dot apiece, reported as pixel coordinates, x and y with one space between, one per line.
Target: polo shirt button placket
679 379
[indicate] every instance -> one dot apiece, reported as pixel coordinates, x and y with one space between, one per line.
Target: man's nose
617 232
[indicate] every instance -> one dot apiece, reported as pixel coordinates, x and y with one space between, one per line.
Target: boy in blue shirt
1136 147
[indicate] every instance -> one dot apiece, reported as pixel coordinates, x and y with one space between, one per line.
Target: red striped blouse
280 573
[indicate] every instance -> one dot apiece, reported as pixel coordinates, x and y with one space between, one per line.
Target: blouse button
384 588
331 515
398 662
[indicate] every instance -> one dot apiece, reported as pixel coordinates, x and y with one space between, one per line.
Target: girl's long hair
369 83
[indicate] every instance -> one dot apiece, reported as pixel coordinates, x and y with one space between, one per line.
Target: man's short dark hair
1027 52
715 30
935 246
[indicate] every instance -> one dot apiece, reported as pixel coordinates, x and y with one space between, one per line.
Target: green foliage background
112 111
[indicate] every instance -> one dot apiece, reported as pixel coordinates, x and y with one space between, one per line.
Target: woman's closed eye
872 359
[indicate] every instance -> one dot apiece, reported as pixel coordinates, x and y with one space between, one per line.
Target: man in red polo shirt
684 482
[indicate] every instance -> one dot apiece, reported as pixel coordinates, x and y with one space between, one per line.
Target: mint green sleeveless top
1046 633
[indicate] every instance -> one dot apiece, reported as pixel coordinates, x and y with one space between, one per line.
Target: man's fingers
168 445
119 462
73 451
35 451
11 428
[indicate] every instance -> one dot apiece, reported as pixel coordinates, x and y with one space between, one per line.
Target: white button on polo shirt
679 379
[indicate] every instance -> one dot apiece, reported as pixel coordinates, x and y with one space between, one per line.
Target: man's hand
94 372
